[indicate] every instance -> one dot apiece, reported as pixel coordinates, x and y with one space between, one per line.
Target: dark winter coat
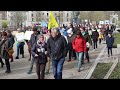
33 39
42 58
95 36
12 40
110 41
70 39
57 47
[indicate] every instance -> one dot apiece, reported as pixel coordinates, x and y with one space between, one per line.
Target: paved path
20 67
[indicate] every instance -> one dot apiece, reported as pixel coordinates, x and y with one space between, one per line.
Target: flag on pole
52 21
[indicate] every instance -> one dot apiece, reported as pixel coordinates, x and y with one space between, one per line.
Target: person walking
11 37
5 46
70 38
1 61
88 41
33 40
95 38
48 58
79 45
100 37
57 51
20 43
39 52
109 42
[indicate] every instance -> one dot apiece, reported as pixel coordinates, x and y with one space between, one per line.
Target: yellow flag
52 21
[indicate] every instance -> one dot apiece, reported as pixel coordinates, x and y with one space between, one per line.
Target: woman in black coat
39 52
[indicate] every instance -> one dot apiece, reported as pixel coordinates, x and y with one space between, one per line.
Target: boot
22 55
7 71
2 64
17 57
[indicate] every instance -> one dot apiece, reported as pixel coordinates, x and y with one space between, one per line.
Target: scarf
41 44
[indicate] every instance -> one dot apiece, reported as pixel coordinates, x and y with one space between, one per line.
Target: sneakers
23 56
2 64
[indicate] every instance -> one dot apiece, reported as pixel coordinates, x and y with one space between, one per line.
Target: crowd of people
52 46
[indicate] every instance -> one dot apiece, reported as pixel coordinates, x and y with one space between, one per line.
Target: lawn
116 72
117 39
101 70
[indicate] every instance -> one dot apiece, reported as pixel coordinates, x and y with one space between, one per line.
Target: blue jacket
110 41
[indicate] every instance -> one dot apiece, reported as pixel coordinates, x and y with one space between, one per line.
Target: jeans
109 50
20 48
79 57
57 66
31 65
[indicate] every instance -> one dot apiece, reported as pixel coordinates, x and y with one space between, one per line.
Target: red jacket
79 44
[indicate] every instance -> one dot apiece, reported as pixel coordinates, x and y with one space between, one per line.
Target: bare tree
18 18
38 16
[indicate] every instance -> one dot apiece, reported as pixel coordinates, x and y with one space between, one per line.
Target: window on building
42 13
67 15
32 19
67 19
32 14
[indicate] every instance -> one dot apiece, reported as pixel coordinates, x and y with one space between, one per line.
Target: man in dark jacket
109 42
95 36
57 51
33 40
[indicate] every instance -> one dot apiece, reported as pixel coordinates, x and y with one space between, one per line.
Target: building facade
62 17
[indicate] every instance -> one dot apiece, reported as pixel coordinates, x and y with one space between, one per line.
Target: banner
107 22
28 35
20 36
52 21
101 22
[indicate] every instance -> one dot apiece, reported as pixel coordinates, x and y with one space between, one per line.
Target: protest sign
28 35
20 36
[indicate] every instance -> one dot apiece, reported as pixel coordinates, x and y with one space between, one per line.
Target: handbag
10 52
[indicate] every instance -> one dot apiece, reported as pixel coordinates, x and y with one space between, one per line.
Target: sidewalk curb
90 71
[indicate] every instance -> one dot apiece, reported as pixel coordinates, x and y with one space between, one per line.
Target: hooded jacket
79 44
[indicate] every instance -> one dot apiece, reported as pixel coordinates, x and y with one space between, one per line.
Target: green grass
101 70
116 72
117 39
